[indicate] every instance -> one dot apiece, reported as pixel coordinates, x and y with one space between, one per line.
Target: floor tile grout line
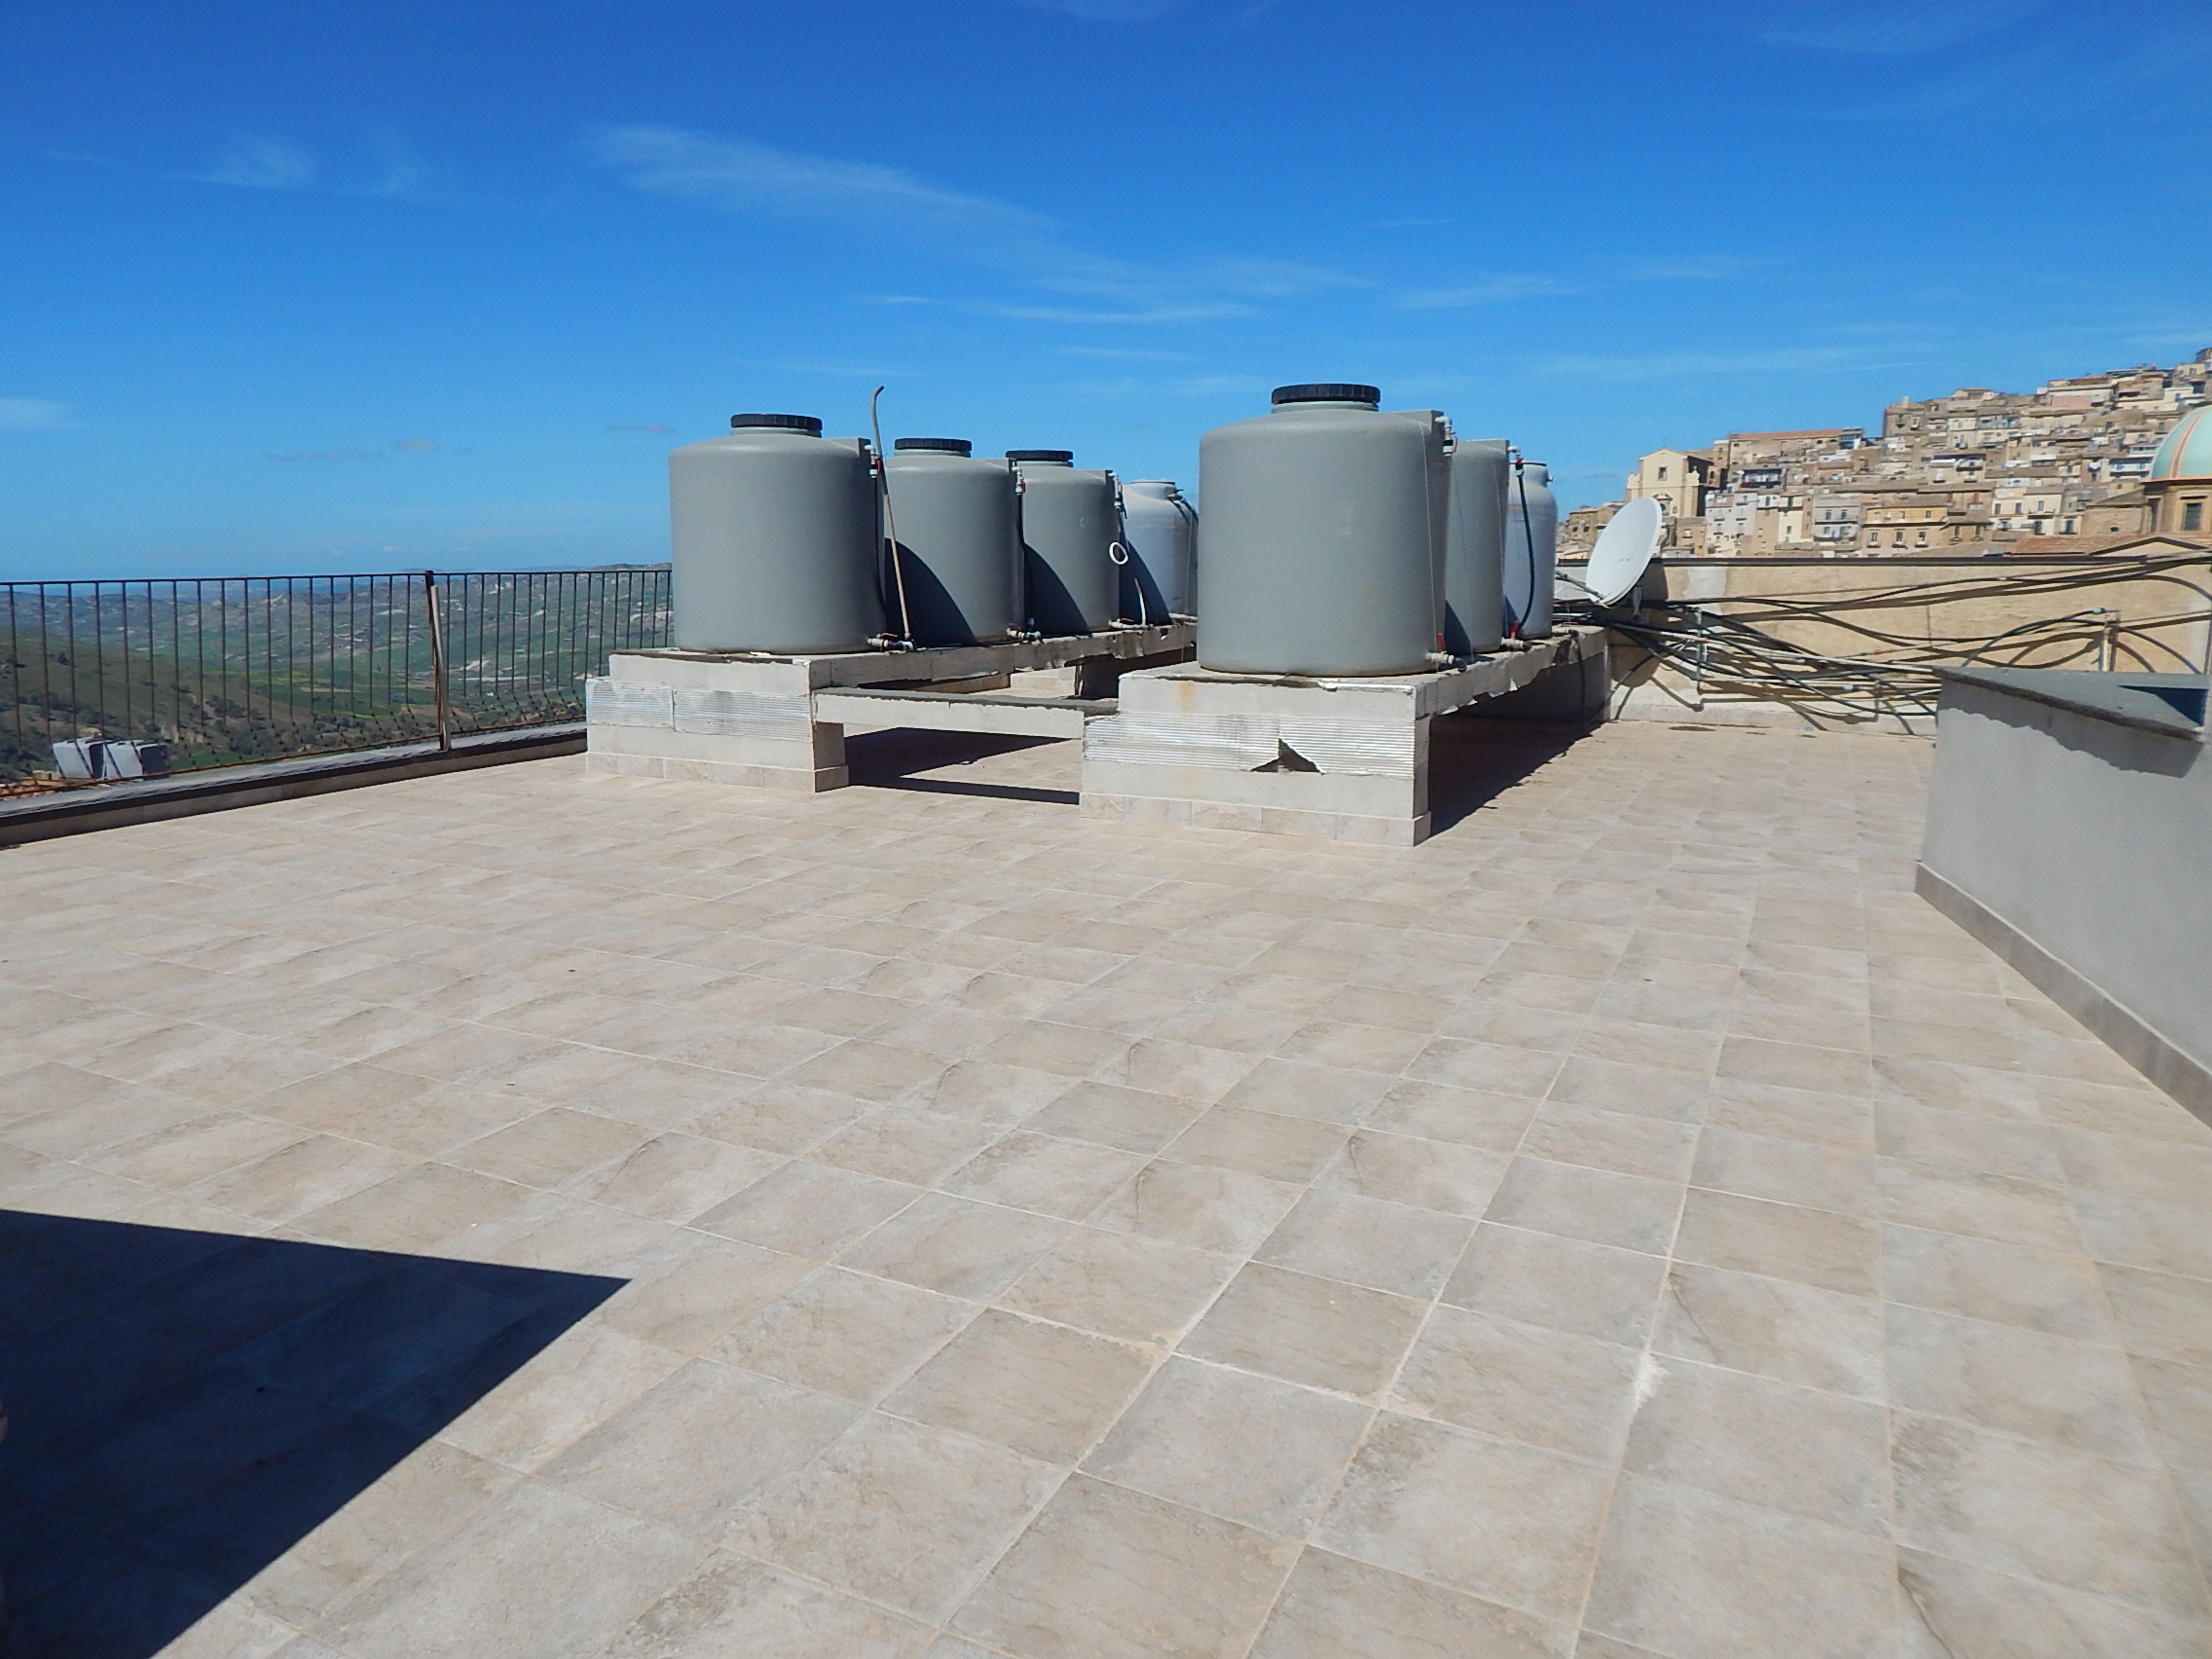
2200 1548
1379 1402
1384 1395
1648 1366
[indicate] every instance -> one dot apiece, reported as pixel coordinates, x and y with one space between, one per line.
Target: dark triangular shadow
1473 760
888 759
184 1407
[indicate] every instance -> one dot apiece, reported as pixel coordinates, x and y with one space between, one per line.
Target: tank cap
1060 456
1326 391
945 446
810 425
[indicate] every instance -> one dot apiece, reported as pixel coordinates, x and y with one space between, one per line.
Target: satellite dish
1624 550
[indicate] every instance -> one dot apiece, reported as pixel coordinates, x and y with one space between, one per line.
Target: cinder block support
1339 759
753 718
712 721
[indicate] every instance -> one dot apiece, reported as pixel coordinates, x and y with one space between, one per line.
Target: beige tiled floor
1631 1224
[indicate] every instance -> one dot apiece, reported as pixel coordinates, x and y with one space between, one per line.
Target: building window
2192 515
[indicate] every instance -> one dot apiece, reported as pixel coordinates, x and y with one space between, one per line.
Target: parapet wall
2069 833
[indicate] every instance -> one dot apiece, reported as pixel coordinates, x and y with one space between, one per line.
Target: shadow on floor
1472 761
889 760
184 1407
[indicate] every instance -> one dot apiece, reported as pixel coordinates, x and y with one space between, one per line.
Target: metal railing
223 670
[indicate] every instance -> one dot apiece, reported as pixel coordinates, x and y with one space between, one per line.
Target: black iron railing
221 671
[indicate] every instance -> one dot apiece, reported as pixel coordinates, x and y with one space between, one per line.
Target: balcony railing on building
105 679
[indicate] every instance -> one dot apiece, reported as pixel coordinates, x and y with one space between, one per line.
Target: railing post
438 658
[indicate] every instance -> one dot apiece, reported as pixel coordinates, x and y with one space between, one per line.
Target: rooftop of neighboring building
1808 432
2132 543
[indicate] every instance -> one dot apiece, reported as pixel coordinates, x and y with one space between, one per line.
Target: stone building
1677 479
2115 455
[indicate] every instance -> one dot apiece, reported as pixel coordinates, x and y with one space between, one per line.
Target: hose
1189 515
1528 539
890 524
1118 553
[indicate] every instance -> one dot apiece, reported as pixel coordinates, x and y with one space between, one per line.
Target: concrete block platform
770 721
1338 759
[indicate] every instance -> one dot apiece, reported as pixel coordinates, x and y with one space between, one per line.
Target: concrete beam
940 711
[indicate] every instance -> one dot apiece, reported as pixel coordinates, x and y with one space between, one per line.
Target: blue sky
364 286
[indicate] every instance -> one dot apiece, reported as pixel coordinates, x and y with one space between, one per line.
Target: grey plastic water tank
1160 530
959 540
1068 530
1474 546
1314 550
1531 551
773 540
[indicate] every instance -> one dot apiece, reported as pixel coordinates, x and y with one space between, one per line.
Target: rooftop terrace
508 1214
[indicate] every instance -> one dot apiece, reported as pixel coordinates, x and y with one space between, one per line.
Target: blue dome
2187 452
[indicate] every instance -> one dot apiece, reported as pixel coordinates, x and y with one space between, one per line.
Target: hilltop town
2065 468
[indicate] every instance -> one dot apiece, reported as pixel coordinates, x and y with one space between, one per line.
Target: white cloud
641 426
33 414
416 446
258 162
891 209
1273 278
1490 291
261 164
737 175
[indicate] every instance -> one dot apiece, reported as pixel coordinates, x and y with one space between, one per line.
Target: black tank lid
1041 454
1326 391
810 425
949 446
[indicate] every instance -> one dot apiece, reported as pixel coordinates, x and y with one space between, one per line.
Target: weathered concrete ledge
2148 702
111 806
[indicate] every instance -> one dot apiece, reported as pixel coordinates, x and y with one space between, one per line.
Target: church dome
2187 452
